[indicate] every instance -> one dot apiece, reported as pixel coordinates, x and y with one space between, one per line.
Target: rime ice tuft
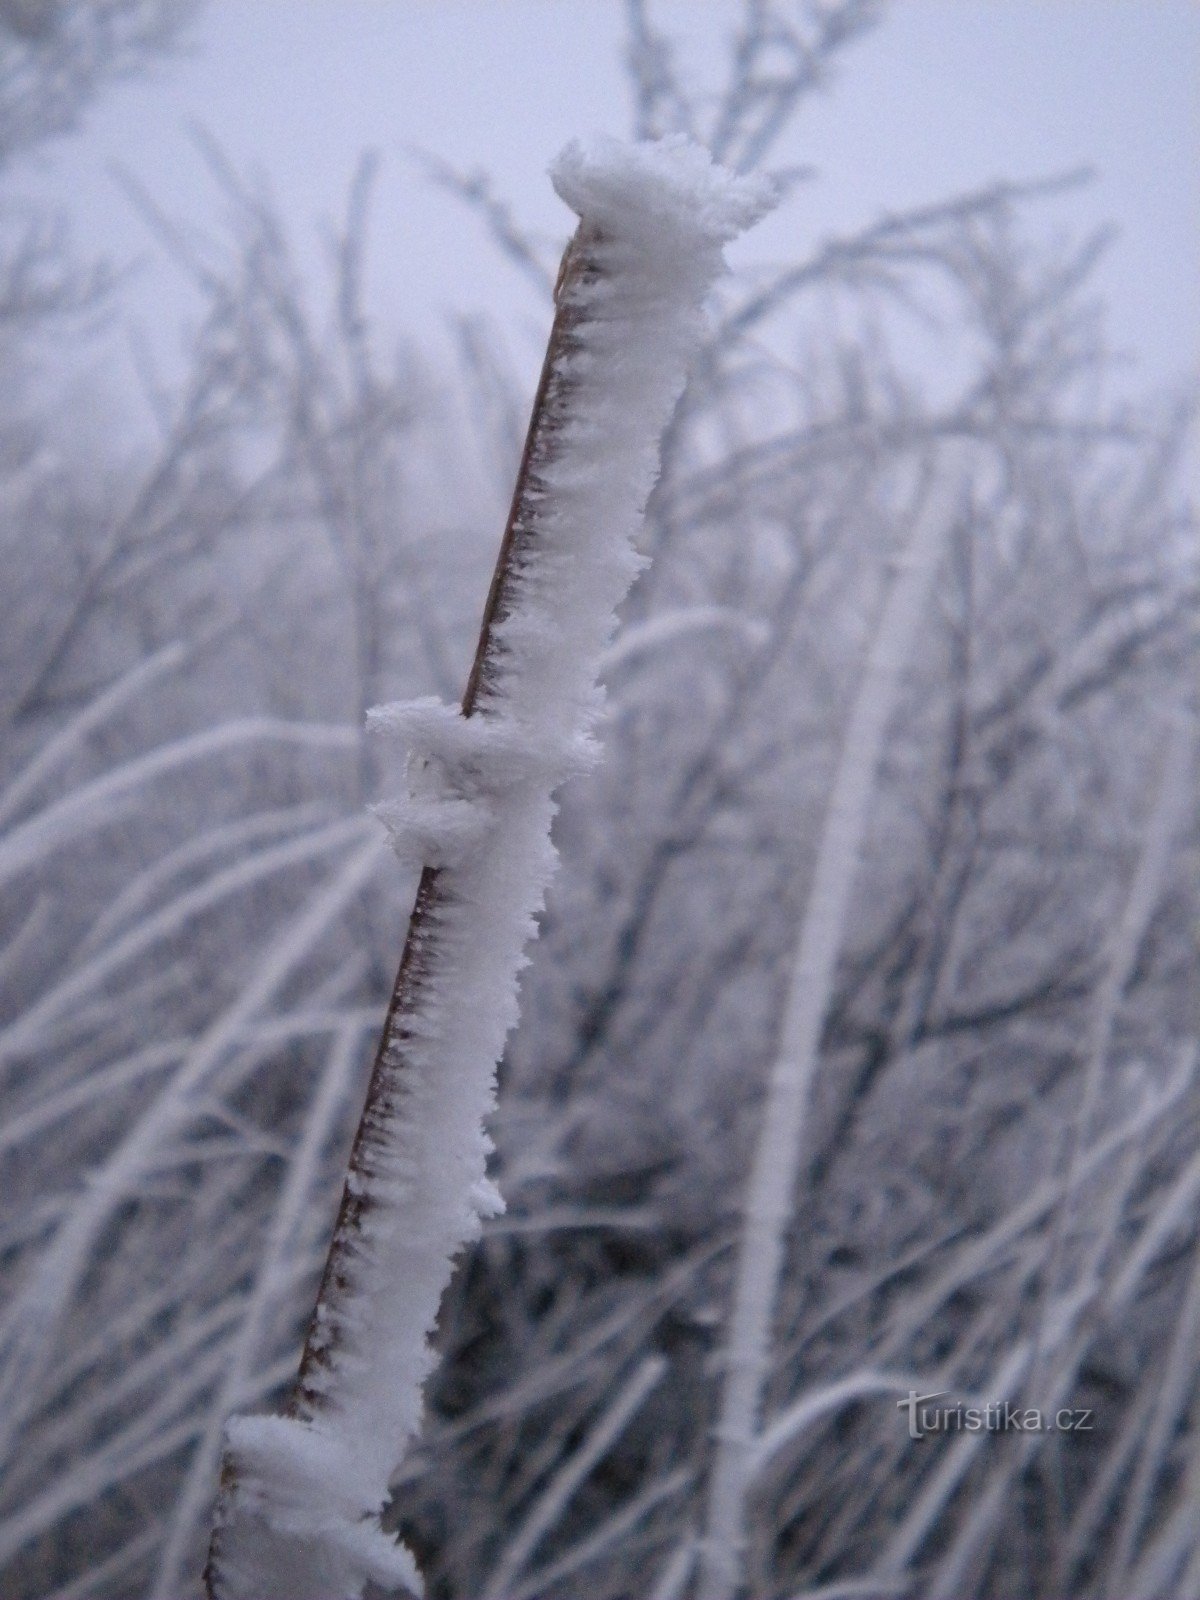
306 1491
670 198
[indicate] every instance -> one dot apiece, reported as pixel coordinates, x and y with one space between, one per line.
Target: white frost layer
308 1491
300 1529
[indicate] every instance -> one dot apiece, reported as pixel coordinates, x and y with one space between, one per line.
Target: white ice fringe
458 768
302 1516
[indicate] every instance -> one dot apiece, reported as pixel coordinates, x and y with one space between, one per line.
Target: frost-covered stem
302 1494
417 968
770 1192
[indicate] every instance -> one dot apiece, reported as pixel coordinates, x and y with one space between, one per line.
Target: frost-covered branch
302 1493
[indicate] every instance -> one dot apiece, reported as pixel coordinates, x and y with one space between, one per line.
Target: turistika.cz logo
996 1416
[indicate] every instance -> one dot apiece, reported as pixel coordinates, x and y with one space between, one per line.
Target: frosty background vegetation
999 1181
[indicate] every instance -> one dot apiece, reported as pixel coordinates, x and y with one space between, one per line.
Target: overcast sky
946 95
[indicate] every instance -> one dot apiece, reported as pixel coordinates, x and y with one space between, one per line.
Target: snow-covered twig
302 1493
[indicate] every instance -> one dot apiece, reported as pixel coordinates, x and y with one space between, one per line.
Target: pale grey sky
944 96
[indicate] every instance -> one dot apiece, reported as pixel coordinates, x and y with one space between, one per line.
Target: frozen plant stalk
301 1496
769 1201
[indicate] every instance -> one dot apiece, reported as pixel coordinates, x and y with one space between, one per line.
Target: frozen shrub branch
302 1493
